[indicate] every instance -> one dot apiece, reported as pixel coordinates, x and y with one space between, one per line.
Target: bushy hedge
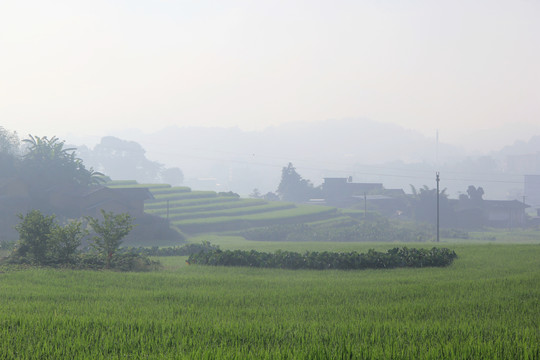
119 262
396 257
183 250
126 261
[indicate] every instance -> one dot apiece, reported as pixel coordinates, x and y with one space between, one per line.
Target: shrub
43 242
183 250
396 257
110 232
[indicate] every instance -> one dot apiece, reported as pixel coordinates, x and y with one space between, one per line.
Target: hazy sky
94 66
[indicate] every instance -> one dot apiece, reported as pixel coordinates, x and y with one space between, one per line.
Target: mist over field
269 179
231 159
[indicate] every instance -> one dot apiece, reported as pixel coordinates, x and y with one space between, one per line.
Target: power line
428 172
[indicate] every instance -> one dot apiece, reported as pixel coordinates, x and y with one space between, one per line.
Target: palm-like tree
424 201
51 163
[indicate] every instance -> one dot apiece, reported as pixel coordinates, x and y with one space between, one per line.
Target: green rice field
484 306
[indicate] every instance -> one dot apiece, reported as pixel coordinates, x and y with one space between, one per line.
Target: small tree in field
34 234
110 232
43 242
64 241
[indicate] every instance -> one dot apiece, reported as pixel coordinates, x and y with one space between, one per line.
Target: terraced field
196 212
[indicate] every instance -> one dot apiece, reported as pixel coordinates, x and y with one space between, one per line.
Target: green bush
396 257
183 250
43 242
119 262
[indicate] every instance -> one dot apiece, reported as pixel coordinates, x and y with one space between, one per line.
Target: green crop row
185 195
218 205
162 204
295 212
238 211
374 230
122 184
229 223
170 190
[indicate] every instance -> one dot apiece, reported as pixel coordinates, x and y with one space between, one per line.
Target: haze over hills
230 159
320 149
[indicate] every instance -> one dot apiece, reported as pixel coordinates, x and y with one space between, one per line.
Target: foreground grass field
484 306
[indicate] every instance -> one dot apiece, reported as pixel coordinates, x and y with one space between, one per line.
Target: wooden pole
437 178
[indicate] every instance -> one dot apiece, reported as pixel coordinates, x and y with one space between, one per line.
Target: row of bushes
125 261
396 257
183 250
119 262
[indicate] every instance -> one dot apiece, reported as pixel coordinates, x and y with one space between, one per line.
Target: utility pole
167 210
523 216
365 206
437 178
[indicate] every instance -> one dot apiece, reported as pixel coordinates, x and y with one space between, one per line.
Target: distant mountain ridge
521 147
226 159
359 140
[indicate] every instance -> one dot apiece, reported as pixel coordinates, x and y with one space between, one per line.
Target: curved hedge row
396 257
183 250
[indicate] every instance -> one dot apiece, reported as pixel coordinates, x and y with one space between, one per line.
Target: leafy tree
122 159
9 142
173 176
110 232
9 149
64 241
48 162
424 204
34 234
475 194
43 242
255 194
270 196
292 186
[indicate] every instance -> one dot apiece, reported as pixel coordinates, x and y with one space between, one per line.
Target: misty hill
242 160
521 148
229 159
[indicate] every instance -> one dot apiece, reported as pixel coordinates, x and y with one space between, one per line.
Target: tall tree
475 194
293 187
122 159
9 151
424 204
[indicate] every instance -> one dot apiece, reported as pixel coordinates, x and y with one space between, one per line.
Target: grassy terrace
170 190
233 211
184 195
227 203
162 204
198 212
298 214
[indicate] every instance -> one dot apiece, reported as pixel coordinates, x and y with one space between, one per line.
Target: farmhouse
494 213
340 192
118 200
68 201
